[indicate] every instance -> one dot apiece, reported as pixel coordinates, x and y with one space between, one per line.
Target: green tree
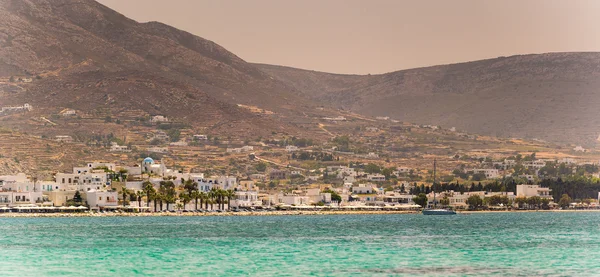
421 200
334 195
520 201
474 202
534 201
185 197
261 167
478 177
565 201
372 168
77 197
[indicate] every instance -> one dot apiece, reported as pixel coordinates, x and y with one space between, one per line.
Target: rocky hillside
552 96
85 56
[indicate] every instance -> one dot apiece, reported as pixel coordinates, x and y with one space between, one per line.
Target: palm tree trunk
196 205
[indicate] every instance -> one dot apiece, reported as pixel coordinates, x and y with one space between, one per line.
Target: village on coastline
152 187
348 172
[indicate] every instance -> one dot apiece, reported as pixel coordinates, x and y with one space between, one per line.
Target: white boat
434 210
438 212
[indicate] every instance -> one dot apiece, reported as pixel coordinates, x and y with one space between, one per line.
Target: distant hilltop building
158 119
67 139
158 149
241 149
200 137
115 147
337 118
383 118
68 112
579 149
25 107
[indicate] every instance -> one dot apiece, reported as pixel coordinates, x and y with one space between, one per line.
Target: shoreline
254 213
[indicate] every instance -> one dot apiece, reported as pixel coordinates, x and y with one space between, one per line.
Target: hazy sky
376 36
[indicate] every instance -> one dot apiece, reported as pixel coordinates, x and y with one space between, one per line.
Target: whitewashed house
101 199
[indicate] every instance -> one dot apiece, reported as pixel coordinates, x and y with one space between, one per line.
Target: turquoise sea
493 244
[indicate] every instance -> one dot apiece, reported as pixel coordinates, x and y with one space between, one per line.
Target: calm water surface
507 244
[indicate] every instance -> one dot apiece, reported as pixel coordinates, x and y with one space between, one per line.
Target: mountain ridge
484 91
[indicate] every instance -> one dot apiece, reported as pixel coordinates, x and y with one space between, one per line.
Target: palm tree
212 195
167 193
169 199
124 192
150 191
160 197
221 197
140 194
196 195
229 194
185 197
204 196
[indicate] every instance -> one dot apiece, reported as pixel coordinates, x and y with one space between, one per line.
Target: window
100 198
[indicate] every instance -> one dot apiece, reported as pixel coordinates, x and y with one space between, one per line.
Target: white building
488 172
93 166
535 165
293 199
200 137
67 139
94 180
316 196
528 177
372 155
337 118
159 118
179 143
19 198
241 149
25 107
533 190
115 147
101 199
403 170
158 149
220 182
291 148
364 189
376 177
68 112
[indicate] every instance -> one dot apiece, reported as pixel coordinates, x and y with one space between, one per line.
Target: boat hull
438 212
